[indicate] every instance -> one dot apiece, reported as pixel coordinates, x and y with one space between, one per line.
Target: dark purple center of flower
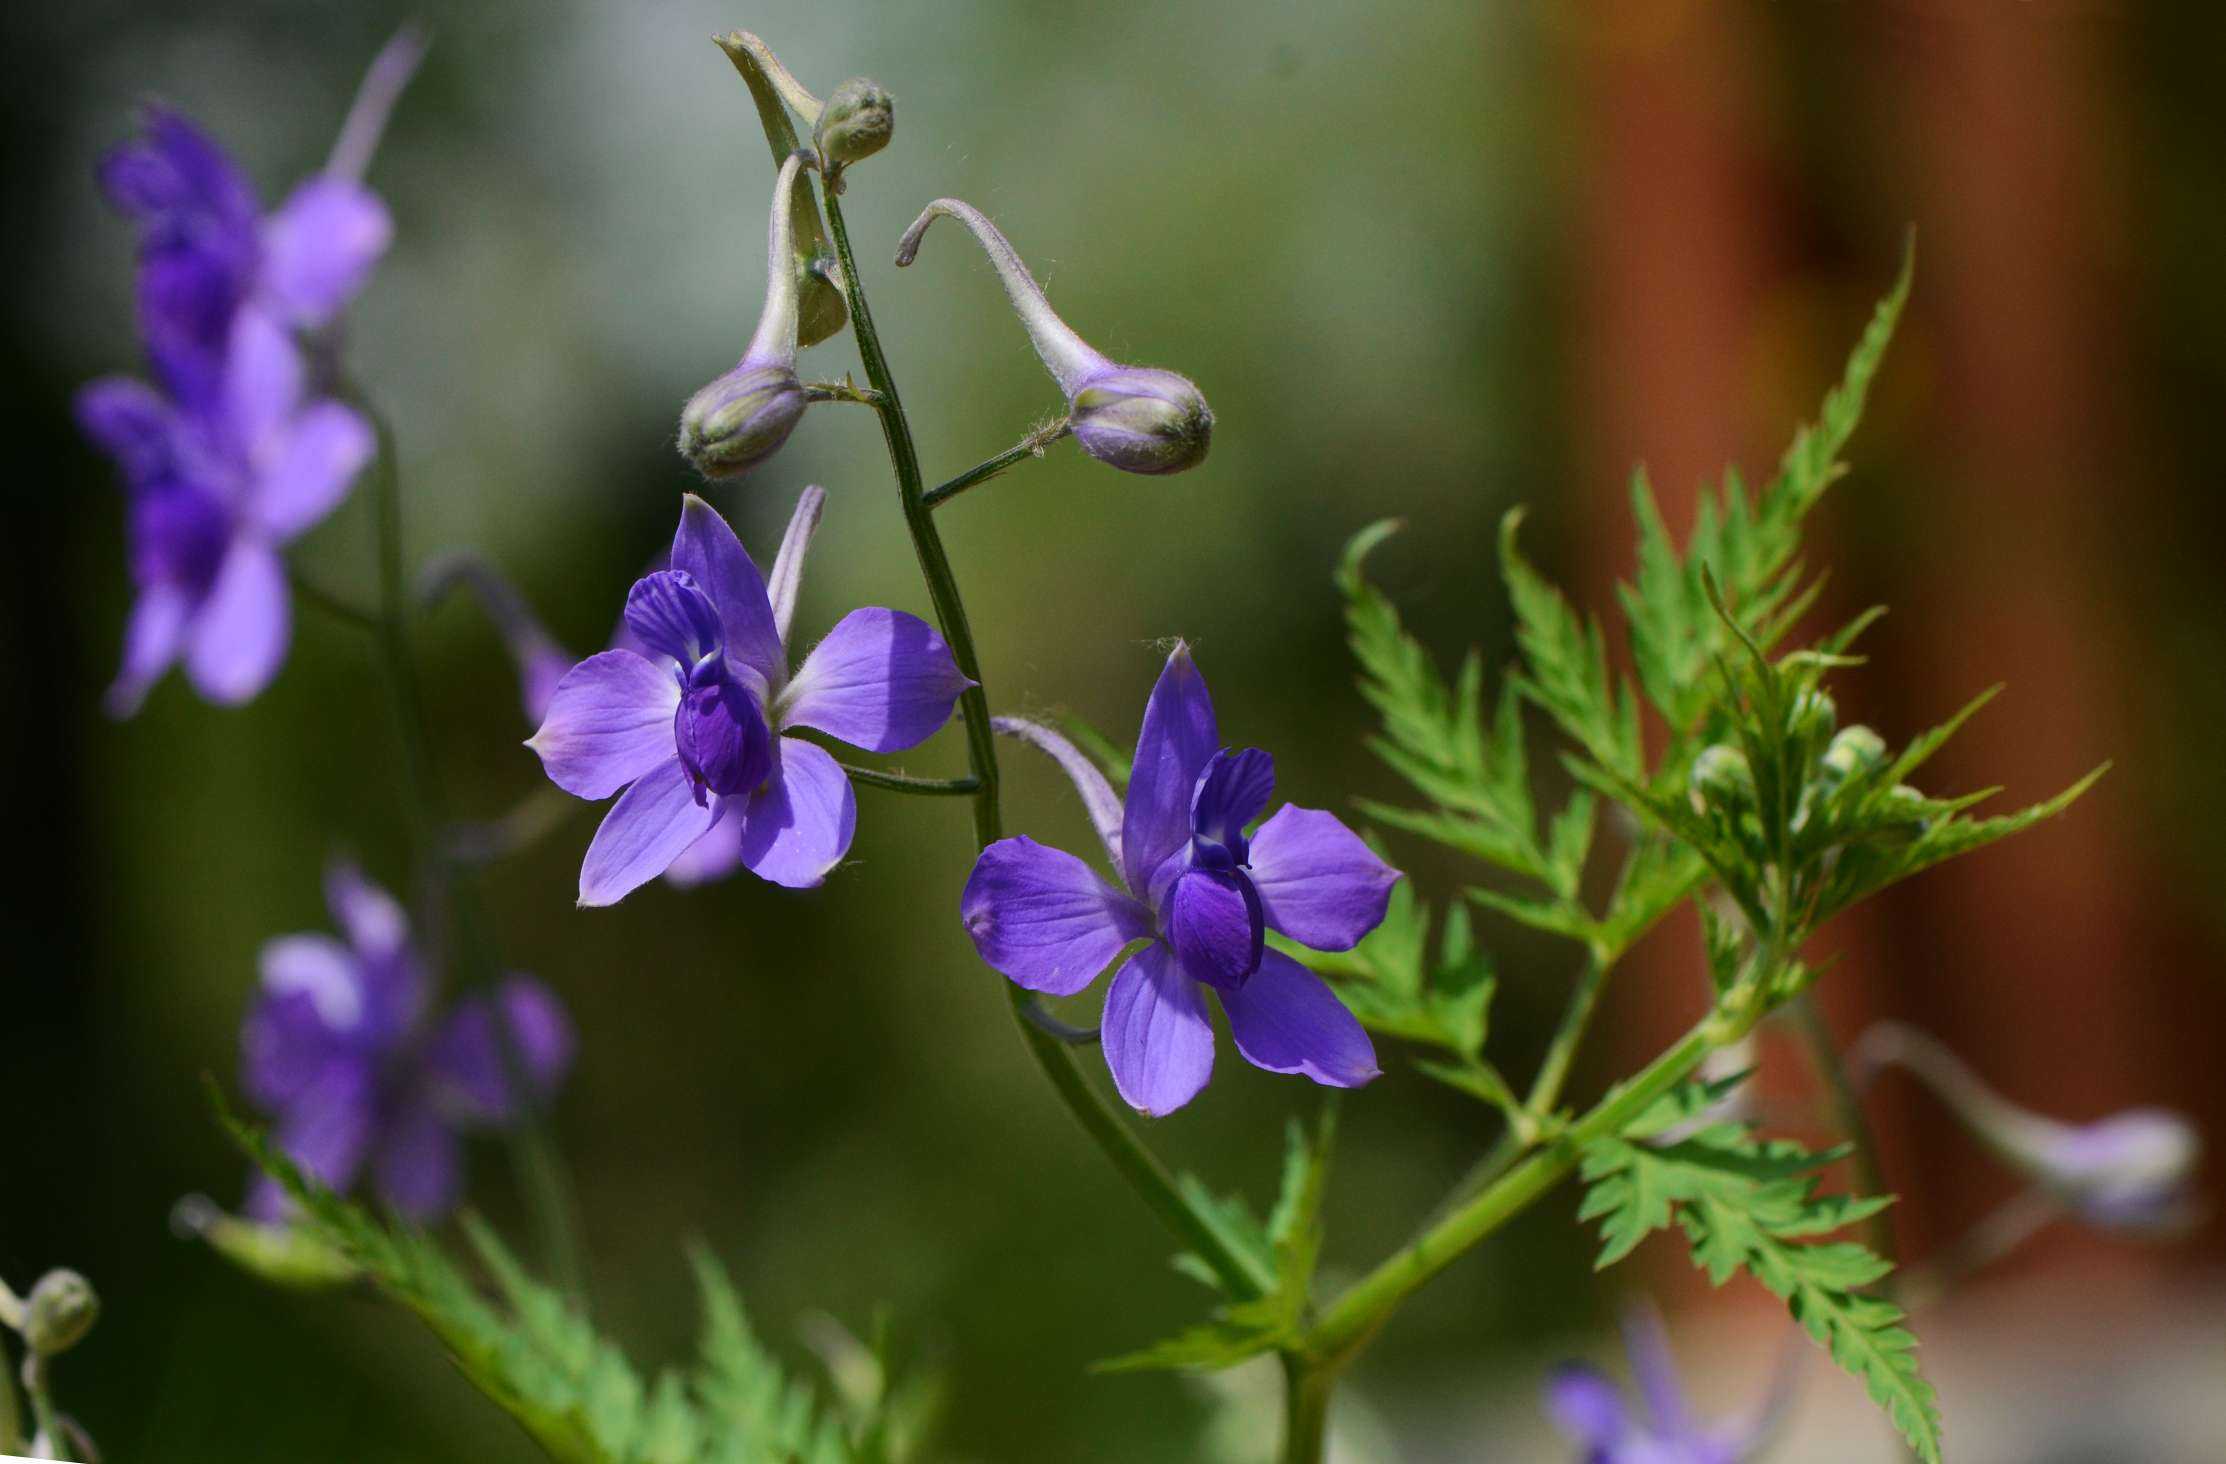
1209 910
178 535
719 727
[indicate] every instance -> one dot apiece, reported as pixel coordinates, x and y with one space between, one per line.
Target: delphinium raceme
1202 892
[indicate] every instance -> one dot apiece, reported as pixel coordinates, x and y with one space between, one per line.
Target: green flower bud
1814 715
59 1312
1855 750
1721 779
856 122
741 419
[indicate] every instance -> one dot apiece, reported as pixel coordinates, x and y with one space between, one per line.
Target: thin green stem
1112 1134
905 783
1306 1394
540 1169
46 1419
1031 446
1852 1122
1561 1050
330 603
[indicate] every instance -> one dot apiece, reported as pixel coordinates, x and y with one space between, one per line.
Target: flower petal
609 722
323 970
1230 794
328 1128
1178 738
468 1069
374 920
323 450
650 825
151 640
1586 1405
290 1036
263 379
319 247
882 680
1319 884
788 564
1044 918
1286 1020
1646 1343
419 1168
129 420
799 825
1214 926
712 857
670 616
1098 797
239 634
1157 1038
704 547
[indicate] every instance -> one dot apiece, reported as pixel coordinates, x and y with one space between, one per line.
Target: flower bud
60 1310
856 122
1138 419
1721 779
1814 715
1855 750
743 417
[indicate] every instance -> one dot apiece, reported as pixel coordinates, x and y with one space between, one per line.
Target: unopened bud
1721 779
741 419
856 122
1854 751
1814 715
60 1310
1135 418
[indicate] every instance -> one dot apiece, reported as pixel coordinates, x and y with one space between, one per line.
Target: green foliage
532 1352
1751 1204
1289 1244
1398 986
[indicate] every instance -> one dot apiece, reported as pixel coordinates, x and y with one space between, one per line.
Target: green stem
45 1417
1561 1051
1853 1123
1306 1394
1031 446
540 1170
1112 1134
905 783
1348 1324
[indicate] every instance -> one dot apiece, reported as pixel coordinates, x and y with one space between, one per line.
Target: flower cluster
342 1049
235 447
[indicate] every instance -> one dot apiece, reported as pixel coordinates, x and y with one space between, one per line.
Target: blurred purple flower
232 452
339 1049
693 723
1587 1406
1202 892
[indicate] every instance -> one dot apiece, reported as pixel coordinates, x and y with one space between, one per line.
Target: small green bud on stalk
1814 715
856 122
60 1310
744 416
1722 780
1854 751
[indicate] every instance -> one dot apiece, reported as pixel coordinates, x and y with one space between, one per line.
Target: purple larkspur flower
1140 419
2131 1171
1203 892
233 451
694 723
340 1049
1588 1406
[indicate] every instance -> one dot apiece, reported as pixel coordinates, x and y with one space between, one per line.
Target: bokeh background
1428 261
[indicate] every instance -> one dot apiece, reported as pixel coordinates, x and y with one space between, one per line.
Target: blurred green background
1426 260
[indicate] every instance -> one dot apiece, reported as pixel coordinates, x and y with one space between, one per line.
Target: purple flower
694 725
1587 1406
2130 1171
1139 419
1202 892
232 452
339 1049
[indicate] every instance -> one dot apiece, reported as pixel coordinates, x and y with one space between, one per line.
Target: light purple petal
327 1129
319 247
788 564
609 722
712 857
238 636
1214 927
648 828
263 378
1098 798
1286 1020
152 638
374 921
1044 918
468 1069
1157 1037
705 548
1586 1405
316 463
882 680
129 420
419 1168
307 1015
1646 1343
1179 736
1319 884
323 970
799 825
